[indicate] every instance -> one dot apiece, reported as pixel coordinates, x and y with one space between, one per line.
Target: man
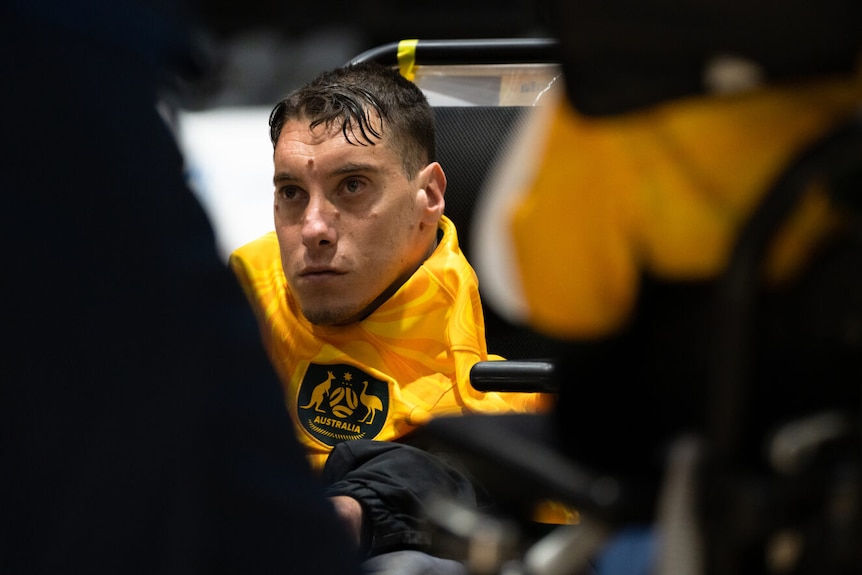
369 309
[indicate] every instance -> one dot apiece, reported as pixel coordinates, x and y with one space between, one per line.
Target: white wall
229 166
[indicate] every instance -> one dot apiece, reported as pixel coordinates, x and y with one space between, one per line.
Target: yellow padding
407 58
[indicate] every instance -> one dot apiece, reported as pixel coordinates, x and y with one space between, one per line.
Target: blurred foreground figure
622 211
143 430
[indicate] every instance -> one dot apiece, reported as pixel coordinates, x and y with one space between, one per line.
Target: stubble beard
330 316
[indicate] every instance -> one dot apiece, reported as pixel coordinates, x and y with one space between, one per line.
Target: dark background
259 50
377 21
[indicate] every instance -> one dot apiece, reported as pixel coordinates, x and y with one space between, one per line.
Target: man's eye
287 193
352 186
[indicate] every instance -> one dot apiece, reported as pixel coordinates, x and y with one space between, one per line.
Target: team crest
341 402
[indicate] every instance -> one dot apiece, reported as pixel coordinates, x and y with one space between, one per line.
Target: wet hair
350 97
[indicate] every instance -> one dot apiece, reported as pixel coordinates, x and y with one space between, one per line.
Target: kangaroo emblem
320 390
371 402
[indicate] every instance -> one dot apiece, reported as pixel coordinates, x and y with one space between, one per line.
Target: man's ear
433 189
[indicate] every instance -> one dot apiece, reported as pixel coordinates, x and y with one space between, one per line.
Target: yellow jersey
382 377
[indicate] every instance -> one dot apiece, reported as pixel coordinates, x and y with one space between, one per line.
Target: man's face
350 224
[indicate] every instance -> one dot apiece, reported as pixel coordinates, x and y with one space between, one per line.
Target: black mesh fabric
470 140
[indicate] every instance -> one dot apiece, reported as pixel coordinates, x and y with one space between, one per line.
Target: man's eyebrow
354 167
348 168
282 177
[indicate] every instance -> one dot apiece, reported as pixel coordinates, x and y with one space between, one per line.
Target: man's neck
396 285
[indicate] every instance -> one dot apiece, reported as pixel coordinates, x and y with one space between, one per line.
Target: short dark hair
348 95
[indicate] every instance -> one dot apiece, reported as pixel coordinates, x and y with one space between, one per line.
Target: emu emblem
341 402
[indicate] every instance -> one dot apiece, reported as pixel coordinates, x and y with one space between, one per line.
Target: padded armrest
510 375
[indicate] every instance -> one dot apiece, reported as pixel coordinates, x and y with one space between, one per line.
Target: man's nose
318 223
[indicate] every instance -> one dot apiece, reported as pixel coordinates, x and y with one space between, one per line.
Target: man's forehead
303 139
368 130
301 152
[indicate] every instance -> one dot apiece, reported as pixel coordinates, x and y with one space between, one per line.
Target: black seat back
470 141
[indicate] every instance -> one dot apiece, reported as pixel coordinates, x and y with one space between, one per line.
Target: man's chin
331 317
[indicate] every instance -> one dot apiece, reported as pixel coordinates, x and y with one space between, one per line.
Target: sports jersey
585 205
382 377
